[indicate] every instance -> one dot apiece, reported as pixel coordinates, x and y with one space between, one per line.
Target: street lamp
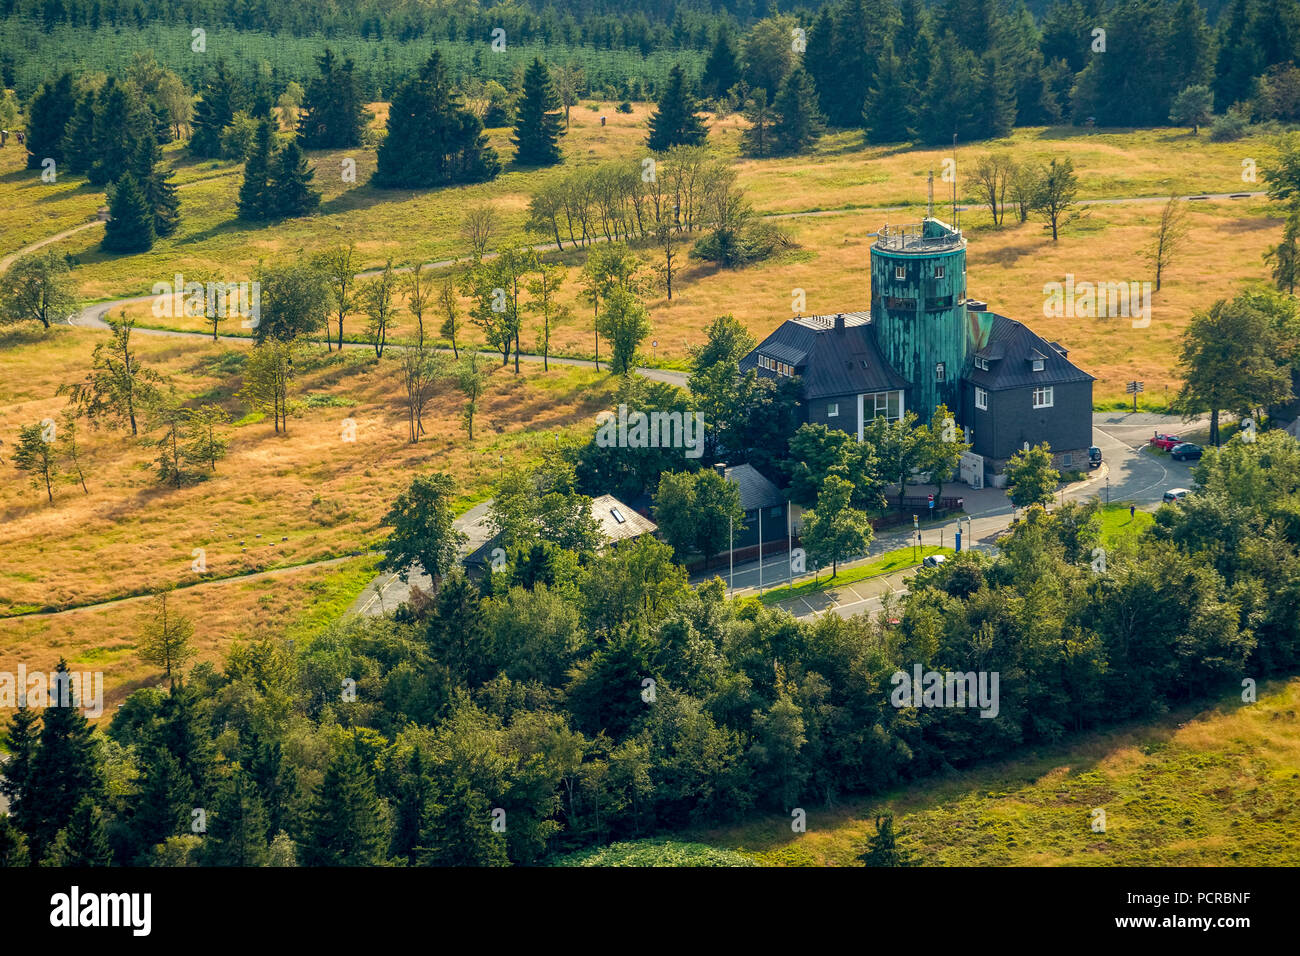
1108 491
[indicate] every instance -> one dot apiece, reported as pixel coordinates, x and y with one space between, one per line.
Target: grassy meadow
1243 808
276 500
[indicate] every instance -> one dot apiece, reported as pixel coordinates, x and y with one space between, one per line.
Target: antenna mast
954 179
929 206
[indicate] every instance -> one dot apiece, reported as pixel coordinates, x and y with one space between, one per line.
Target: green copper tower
918 309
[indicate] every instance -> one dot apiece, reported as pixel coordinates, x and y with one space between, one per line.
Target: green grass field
1212 785
887 563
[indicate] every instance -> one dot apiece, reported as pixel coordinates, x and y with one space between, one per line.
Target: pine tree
120 121
21 738
290 184
47 120
675 122
758 139
84 841
155 182
721 69
888 112
537 119
213 112
881 849
255 198
63 771
333 115
818 58
237 826
799 123
433 140
130 224
78 144
345 822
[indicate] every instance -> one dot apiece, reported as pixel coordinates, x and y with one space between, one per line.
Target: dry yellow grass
325 495
105 638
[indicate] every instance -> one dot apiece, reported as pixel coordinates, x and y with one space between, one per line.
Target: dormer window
982 364
1038 365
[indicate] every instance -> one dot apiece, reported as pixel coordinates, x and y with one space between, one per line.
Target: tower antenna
954 179
929 206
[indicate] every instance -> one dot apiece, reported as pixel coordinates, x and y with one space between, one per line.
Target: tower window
900 272
940 370
938 272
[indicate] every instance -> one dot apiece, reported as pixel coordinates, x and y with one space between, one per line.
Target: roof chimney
839 322
721 469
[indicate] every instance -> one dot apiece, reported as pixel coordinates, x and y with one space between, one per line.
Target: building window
1043 397
1067 460
901 305
981 399
983 364
940 370
900 272
1038 365
939 302
882 405
832 409
938 272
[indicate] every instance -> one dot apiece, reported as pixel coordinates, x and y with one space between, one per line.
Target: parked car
1176 494
933 560
1164 442
1094 457
1185 451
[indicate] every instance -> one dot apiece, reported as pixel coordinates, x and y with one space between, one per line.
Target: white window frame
982 364
981 399
832 409
938 272
1038 365
940 372
1044 396
900 273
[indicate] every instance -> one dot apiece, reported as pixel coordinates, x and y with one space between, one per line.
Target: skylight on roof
618 515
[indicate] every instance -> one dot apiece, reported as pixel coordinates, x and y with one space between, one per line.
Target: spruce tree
290 183
888 112
130 224
799 123
155 182
818 58
881 849
674 122
213 112
433 140
13 845
721 69
333 115
120 121
47 120
21 738
537 119
255 199
84 841
345 822
63 771
237 827
78 144
163 803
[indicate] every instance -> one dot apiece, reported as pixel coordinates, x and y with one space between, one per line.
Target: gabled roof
831 360
755 490
1012 347
618 522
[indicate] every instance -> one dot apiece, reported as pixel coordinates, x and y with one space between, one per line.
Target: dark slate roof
831 361
1011 347
755 490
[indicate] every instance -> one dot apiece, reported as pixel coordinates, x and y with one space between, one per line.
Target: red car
1164 442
